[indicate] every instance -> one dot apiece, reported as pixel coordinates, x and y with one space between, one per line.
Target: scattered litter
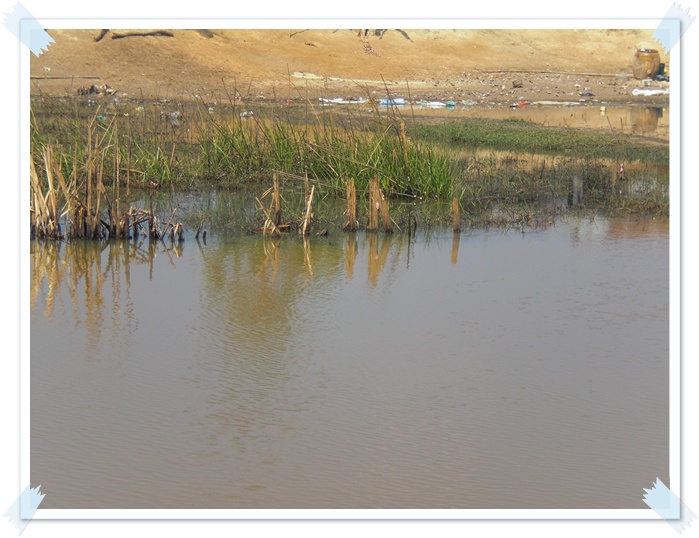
432 104
469 102
650 91
342 101
88 90
246 114
94 90
520 104
172 117
449 105
397 101
587 94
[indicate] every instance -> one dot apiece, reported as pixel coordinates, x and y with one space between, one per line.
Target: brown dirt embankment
485 66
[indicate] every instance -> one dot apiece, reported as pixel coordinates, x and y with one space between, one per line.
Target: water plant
116 153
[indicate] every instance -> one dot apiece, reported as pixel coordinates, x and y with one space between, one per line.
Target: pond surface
485 369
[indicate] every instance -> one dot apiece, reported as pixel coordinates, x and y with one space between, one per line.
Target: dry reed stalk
456 214
306 225
51 194
88 187
44 216
153 232
38 205
374 205
403 141
269 226
351 224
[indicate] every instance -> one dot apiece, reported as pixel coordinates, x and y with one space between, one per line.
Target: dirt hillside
288 64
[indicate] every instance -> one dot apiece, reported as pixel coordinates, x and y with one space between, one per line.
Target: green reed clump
152 144
252 148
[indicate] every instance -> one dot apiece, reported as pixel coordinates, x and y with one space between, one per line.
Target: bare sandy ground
484 66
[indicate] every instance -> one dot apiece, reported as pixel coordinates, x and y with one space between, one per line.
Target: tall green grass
142 147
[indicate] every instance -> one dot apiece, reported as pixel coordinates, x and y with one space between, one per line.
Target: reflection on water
449 370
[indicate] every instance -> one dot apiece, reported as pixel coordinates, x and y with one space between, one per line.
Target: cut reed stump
153 231
456 214
273 216
351 224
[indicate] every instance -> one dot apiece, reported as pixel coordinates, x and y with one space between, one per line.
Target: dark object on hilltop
102 34
155 33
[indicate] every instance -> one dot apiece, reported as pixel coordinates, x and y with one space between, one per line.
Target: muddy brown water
486 369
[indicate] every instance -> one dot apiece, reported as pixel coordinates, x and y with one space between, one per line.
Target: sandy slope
445 64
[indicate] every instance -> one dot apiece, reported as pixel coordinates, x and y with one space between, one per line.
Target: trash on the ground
520 104
172 117
587 94
469 102
246 114
342 101
88 90
646 63
94 90
650 91
432 104
662 78
396 101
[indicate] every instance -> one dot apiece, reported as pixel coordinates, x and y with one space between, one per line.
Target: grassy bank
117 149
528 137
